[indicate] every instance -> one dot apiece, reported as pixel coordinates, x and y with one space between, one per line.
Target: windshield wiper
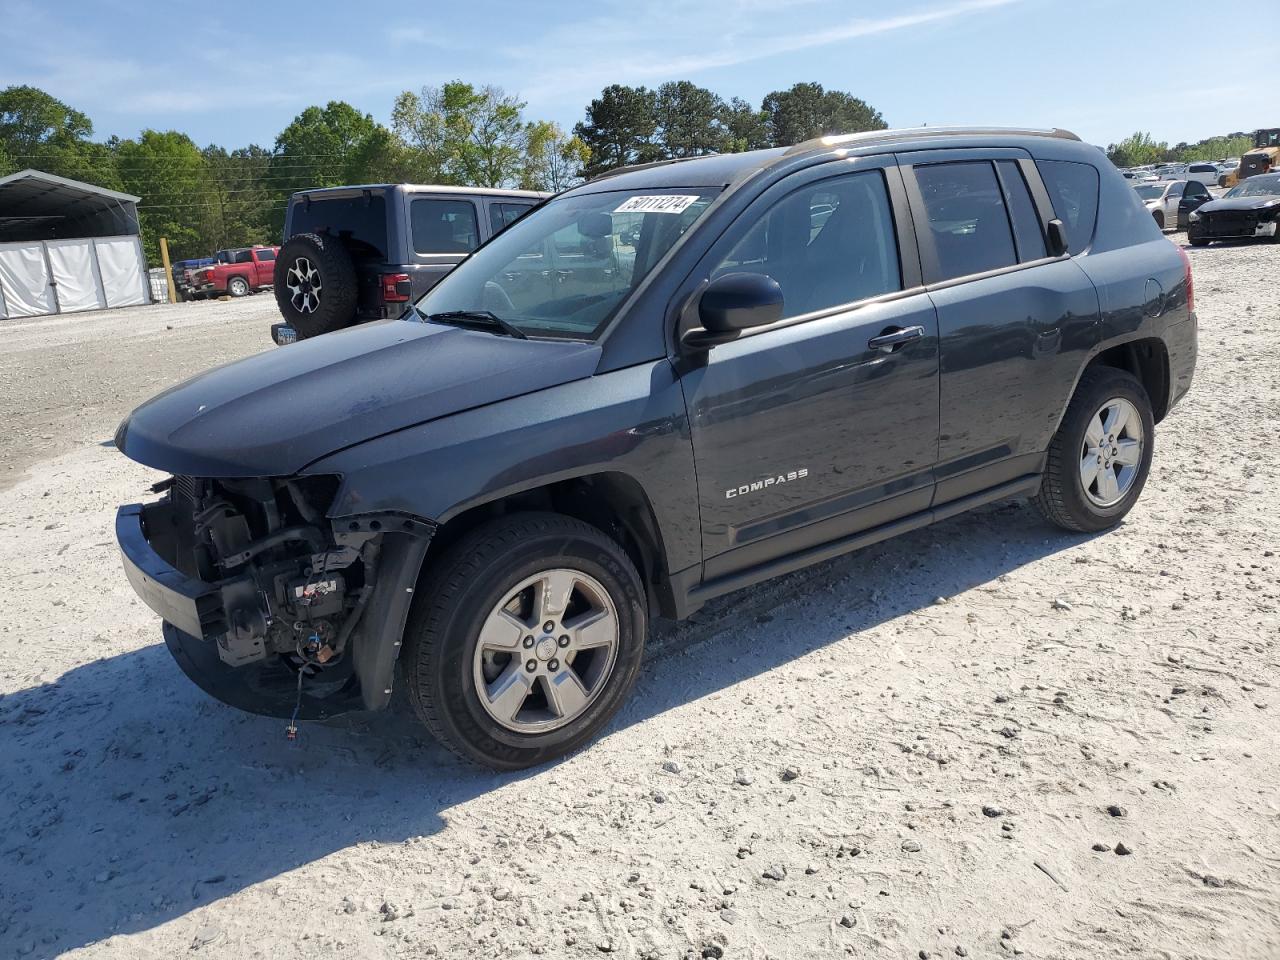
480 318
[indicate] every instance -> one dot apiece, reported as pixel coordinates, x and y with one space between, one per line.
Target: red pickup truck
238 272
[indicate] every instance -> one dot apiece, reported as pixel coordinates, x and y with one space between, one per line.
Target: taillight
1191 287
395 287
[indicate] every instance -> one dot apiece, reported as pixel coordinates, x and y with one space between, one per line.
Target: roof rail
869 137
632 168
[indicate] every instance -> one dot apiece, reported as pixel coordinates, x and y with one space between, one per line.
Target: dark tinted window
1196 189
967 219
1202 168
826 244
266 254
1073 189
361 221
504 214
1022 212
444 226
242 256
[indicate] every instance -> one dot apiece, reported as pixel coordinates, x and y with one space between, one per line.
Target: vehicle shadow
132 798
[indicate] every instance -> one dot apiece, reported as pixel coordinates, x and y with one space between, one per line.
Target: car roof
425 188
724 169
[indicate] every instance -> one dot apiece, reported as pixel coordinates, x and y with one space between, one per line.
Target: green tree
1136 150
1215 148
746 128
807 110
552 159
326 146
38 130
690 120
167 170
239 195
619 128
463 134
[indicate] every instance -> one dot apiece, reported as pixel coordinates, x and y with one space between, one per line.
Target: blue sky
236 73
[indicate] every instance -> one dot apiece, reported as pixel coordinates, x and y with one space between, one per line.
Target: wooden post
168 270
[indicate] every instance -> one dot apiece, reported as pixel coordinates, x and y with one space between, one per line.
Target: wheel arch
1147 359
611 501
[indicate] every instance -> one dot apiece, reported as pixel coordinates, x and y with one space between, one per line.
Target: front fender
630 421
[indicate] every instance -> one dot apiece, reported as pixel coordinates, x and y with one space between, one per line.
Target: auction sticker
656 203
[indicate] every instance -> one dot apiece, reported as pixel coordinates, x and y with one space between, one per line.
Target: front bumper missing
195 622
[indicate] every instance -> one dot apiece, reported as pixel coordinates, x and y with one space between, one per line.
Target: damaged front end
270 604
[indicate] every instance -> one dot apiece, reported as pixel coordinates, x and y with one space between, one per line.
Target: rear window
360 220
444 226
502 215
967 218
266 254
1202 168
1073 189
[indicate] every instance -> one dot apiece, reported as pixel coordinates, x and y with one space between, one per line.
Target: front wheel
1101 454
526 639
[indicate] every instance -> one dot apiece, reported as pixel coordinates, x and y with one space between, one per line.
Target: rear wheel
238 287
1101 454
315 284
526 640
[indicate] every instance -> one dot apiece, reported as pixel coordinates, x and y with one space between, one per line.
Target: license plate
283 334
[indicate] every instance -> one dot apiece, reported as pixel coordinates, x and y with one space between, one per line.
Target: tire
323 295
1063 498
445 663
239 287
1159 217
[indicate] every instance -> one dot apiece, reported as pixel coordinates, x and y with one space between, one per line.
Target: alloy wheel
304 283
546 651
1111 453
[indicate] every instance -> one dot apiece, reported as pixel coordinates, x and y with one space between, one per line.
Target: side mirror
1058 238
733 303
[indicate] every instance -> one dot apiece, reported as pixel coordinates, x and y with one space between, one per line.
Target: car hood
276 412
1238 203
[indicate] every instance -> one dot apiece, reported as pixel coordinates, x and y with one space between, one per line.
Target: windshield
1256 187
1150 191
563 270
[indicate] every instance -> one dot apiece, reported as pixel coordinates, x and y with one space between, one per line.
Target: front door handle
895 337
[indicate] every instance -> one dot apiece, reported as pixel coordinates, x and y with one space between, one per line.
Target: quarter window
827 244
444 226
967 219
1073 189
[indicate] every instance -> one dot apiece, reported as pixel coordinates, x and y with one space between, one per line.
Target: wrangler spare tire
315 284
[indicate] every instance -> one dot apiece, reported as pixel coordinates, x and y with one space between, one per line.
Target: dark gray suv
657 388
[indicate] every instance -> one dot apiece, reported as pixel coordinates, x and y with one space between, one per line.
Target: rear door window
266 255
502 215
1073 190
444 226
965 209
361 221
1022 212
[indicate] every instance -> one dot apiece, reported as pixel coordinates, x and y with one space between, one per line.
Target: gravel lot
984 739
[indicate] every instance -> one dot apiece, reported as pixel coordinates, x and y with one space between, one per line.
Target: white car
1170 202
1210 174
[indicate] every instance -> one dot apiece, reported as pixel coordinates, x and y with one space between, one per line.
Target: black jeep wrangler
353 254
739 365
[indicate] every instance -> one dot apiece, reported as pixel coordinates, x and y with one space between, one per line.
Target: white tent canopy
67 246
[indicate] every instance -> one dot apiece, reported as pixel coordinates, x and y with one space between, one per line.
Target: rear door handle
892 338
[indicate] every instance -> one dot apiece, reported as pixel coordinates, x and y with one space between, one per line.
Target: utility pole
168 270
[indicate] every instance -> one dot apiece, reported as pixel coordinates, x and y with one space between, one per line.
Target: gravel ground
985 739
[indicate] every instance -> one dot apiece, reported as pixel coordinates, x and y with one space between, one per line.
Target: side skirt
689 598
